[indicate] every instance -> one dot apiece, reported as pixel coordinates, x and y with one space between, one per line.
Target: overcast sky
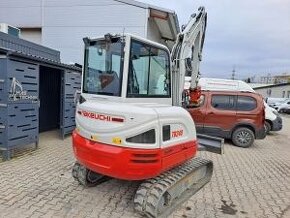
252 35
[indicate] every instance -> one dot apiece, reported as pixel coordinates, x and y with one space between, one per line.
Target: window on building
288 94
149 72
246 103
283 94
223 102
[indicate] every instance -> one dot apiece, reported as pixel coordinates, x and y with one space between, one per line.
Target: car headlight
276 113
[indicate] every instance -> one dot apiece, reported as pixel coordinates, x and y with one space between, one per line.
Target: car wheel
243 137
267 127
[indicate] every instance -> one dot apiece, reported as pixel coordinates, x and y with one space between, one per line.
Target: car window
223 102
246 103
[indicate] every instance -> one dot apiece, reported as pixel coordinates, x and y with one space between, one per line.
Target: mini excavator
130 118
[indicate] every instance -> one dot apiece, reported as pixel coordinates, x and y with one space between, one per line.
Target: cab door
221 114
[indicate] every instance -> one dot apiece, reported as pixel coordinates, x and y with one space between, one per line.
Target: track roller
158 197
87 177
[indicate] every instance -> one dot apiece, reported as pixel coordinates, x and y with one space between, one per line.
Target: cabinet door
71 86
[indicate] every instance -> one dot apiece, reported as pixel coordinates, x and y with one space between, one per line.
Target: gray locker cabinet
3 132
18 105
27 74
71 86
22 124
3 105
19 98
3 78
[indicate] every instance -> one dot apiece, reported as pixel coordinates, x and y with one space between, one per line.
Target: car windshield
103 67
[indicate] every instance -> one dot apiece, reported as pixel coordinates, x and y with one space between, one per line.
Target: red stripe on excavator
101 117
130 163
115 119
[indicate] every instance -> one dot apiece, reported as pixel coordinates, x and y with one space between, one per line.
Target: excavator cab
128 67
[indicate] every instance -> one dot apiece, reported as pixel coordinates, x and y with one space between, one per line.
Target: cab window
149 72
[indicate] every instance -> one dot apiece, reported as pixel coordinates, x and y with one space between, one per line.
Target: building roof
259 85
10 42
168 25
282 76
145 5
272 86
38 59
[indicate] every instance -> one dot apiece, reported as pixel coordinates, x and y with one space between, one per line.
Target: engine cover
141 125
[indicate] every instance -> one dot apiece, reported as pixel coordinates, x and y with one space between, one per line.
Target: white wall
276 92
67 22
31 34
21 13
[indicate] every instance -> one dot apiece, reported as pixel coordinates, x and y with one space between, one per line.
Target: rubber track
79 173
148 194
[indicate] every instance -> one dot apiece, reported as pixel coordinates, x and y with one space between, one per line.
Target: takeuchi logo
18 93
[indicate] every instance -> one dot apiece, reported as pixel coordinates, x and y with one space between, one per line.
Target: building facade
267 79
282 79
62 24
278 79
274 91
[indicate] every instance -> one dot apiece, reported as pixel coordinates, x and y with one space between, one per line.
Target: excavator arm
186 56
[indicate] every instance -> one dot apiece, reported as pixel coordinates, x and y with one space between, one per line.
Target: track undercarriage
159 196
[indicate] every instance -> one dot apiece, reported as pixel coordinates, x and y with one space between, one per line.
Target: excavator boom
186 54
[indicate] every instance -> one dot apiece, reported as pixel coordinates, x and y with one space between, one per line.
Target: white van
273 120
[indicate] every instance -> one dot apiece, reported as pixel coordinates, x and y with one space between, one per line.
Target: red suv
239 116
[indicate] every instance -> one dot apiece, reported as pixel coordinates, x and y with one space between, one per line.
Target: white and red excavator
130 119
